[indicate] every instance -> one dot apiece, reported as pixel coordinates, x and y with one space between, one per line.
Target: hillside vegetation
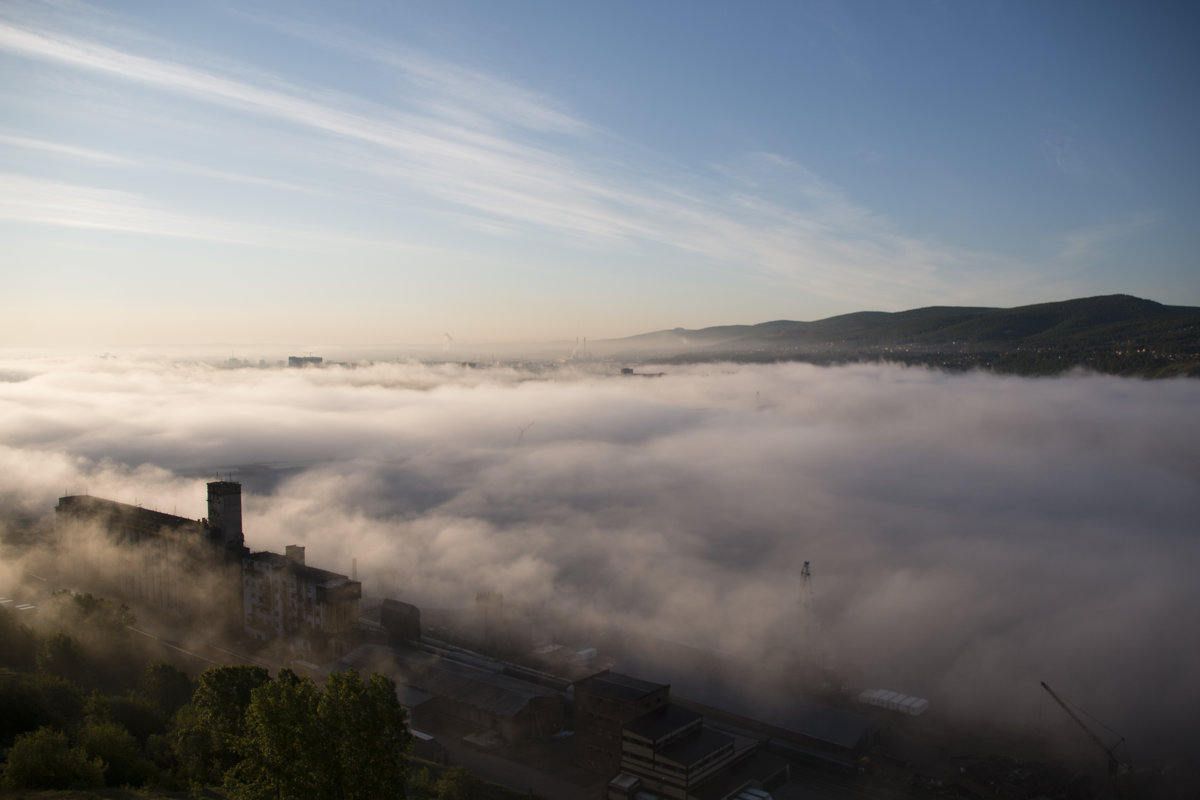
1114 334
86 711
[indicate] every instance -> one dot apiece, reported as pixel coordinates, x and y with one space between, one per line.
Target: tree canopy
346 740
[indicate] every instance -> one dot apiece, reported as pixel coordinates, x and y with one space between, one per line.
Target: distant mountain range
1116 334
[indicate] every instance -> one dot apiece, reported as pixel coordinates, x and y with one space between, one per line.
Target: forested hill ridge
1115 334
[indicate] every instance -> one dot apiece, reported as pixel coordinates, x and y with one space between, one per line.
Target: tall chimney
225 511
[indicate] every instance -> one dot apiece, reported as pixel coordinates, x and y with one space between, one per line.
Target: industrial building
813 732
659 748
202 569
464 694
671 751
314 609
603 705
154 551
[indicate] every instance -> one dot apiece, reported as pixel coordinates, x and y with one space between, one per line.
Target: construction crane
1115 765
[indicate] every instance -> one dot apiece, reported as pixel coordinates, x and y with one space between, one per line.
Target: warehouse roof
316 575
696 746
662 722
833 725
96 506
616 684
759 767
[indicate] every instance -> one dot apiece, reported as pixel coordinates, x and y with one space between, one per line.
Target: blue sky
390 172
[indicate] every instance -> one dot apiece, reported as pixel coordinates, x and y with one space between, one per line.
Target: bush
44 759
114 745
31 701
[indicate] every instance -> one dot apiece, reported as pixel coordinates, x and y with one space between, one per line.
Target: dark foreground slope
1115 334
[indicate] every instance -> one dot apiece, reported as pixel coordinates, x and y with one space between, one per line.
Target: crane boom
1115 765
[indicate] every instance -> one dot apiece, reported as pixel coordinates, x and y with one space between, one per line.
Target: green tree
166 685
115 746
99 631
284 752
457 784
44 759
61 655
131 710
205 732
346 741
33 700
18 644
368 735
190 749
88 615
422 783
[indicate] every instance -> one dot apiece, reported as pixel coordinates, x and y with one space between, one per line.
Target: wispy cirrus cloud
166 165
46 202
449 90
510 157
58 148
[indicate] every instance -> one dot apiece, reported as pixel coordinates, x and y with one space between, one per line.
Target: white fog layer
970 535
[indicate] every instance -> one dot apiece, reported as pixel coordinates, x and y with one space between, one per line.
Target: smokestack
354 569
295 552
225 511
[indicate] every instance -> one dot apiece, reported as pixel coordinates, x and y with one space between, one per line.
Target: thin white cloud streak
458 92
64 149
827 246
46 202
971 534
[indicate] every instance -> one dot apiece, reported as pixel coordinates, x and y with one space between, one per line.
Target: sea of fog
969 535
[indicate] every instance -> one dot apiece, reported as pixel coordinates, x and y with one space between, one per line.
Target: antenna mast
806 601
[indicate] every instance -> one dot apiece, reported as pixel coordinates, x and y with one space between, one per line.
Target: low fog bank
970 535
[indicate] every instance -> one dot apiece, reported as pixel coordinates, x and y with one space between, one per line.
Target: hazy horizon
273 353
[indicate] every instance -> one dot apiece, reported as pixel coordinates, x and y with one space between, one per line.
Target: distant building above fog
305 361
203 570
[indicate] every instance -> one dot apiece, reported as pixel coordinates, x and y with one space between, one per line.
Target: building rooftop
624 781
836 726
321 577
696 746
662 722
424 673
496 694
86 504
760 766
410 697
620 686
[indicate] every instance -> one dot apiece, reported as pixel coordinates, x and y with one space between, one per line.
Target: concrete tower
225 511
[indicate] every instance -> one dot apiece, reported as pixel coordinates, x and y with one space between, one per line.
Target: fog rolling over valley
970 534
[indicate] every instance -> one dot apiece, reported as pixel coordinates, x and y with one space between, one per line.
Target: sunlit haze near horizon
372 173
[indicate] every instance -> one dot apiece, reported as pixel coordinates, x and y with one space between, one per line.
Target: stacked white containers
894 701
